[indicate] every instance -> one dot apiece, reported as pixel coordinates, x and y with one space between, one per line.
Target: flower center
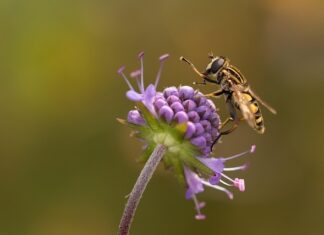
168 140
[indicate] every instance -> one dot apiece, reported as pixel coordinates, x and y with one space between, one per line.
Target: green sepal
167 160
177 131
180 150
147 153
178 170
142 134
151 121
191 161
129 124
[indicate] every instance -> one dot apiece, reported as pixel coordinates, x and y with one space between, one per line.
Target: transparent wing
272 110
244 105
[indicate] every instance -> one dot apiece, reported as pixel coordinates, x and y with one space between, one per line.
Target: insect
238 94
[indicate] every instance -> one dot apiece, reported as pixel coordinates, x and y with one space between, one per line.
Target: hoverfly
238 95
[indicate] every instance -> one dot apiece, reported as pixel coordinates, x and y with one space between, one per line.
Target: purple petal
177 107
189 194
149 92
215 122
208 137
203 100
215 179
214 115
148 98
216 164
170 91
135 117
214 133
172 98
200 100
189 105
199 141
159 103
201 110
166 113
207 114
134 96
193 116
186 92
206 150
191 129
199 129
181 117
206 125
210 104
159 94
193 181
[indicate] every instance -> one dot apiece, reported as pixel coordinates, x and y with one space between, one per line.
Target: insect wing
255 96
244 106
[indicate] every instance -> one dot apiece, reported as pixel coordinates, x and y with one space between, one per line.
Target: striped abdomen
251 111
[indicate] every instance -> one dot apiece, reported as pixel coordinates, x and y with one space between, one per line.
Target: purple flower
135 117
187 123
177 105
196 183
145 95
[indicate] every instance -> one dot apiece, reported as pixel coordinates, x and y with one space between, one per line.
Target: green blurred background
66 164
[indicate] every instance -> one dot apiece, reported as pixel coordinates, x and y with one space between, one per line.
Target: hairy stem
138 189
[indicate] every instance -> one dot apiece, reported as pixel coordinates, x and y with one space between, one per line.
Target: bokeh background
66 164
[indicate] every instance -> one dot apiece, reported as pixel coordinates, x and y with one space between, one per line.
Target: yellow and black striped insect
238 95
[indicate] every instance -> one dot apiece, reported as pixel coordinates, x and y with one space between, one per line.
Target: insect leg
225 122
235 125
200 83
224 133
233 117
192 66
215 93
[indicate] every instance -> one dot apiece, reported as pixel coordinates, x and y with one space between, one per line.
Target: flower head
187 123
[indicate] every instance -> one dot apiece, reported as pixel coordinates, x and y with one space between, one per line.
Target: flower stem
139 187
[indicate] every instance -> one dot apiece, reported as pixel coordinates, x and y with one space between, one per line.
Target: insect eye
216 65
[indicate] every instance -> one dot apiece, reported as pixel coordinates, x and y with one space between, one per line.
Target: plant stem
138 189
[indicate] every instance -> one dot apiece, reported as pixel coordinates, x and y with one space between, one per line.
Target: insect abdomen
255 109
